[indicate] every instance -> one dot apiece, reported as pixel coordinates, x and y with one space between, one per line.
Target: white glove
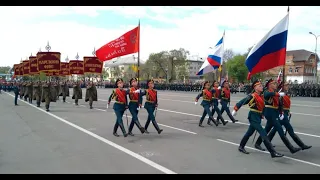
196 103
219 87
228 105
138 108
107 106
281 116
137 91
234 113
219 100
282 94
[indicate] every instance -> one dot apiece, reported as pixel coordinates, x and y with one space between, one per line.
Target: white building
194 64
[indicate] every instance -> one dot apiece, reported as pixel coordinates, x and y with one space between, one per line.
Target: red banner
128 43
26 67
92 65
76 67
64 69
33 63
21 69
48 61
16 68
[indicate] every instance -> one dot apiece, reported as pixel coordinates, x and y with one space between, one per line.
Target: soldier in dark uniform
206 95
150 105
37 93
77 93
134 105
16 91
25 85
56 85
46 94
30 91
285 116
256 104
91 94
225 100
215 103
64 90
120 106
271 113
21 88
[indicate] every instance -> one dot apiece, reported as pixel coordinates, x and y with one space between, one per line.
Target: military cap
133 79
204 84
118 80
255 83
269 81
225 81
150 80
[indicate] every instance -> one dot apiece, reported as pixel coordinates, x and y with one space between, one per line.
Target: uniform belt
288 109
215 98
273 107
225 98
119 102
254 110
133 100
150 101
206 99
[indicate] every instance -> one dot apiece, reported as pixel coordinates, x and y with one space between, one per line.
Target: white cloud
196 32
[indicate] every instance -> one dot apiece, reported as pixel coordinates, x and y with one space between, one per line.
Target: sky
80 29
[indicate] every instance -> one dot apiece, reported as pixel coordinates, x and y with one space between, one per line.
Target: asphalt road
75 139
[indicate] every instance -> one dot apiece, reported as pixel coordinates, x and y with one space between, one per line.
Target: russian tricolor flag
270 52
213 61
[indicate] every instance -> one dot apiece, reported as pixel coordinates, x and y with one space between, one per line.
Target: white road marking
294 159
127 151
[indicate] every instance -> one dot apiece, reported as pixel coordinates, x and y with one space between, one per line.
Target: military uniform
150 105
37 93
225 101
91 94
285 104
16 93
271 113
30 91
206 103
256 104
77 93
215 107
25 91
64 90
120 106
134 105
46 94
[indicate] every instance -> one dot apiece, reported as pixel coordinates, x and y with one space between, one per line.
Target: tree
228 54
116 72
237 68
4 69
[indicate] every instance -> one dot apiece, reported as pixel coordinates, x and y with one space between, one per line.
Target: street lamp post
315 56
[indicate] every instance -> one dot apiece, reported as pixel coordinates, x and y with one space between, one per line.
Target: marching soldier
271 112
120 106
37 93
215 103
225 100
285 117
16 93
64 90
134 106
256 104
46 94
150 105
91 94
25 88
30 91
56 85
77 93
21 89
206 95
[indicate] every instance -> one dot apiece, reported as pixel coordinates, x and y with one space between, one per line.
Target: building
300 67
193 64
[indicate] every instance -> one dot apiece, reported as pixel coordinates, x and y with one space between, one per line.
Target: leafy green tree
237 69
4 69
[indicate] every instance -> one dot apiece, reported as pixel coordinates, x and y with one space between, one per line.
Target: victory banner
48 61
16 68
33 62
92 65
26 67
64 69
76 67
21 69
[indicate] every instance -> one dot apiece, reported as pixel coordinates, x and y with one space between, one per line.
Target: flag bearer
215 103
120 106
285 103
206 95
225 100
134 106
150 105
271 112
256 104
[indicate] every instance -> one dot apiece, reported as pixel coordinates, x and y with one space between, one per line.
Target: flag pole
221 66
284 66
139 55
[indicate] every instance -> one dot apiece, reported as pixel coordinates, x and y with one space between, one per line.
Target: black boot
139 126
300 143
90 104
76 102
222 120
270 148
64 99
115 128
209 122
289 145
200 123
123 130
155 124
146 127
214 121
257 145
47 108
38 104
243 144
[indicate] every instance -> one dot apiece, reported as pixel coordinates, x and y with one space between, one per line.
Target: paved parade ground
71 139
